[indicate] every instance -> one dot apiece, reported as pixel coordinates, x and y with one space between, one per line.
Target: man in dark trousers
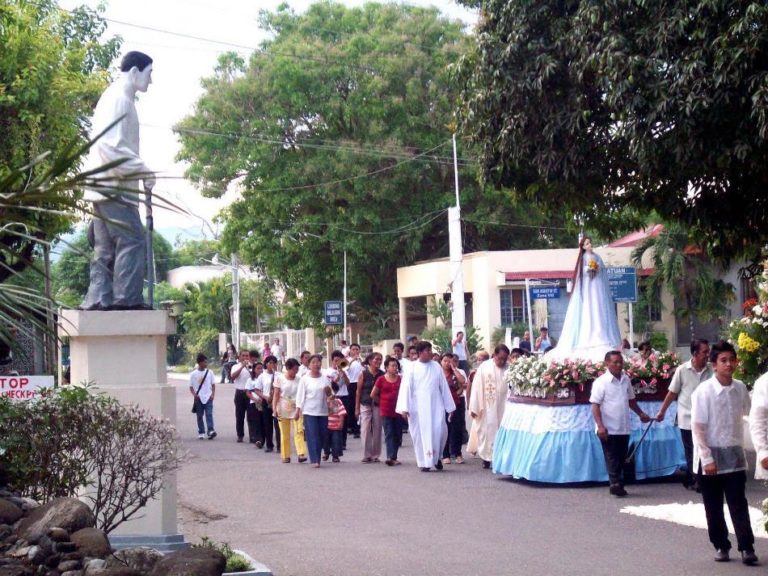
718 407
612 398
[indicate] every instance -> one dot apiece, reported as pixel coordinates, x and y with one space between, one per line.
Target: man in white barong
424 399
487 401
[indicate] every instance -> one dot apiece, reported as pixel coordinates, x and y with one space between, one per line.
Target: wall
484 276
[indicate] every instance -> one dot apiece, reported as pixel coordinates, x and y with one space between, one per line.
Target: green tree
207 312
338 133
70 273
685 270
195 252
53 66
596 108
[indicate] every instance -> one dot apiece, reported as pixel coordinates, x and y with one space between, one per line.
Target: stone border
259 569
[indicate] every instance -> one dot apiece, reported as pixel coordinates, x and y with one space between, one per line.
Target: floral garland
536 377
750 334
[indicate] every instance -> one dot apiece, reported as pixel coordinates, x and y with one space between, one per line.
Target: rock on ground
91 542
139 558
67 513
9 512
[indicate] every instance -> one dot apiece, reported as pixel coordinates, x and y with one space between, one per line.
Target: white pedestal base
123 354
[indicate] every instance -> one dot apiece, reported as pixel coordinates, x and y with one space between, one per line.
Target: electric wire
382 152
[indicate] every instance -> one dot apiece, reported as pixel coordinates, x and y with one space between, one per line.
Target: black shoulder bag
197 404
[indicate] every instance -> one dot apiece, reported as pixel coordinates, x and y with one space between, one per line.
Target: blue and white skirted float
558 444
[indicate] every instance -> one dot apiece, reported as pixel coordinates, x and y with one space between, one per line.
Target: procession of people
431 394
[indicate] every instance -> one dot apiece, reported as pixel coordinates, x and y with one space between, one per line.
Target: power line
382 152
412 225
344 180
327 183
271 53
254 49
510 225
260 50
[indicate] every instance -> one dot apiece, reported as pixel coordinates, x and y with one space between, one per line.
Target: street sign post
334 312
622 282
545 292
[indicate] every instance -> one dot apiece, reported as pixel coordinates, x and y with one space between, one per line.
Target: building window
512 306
654 302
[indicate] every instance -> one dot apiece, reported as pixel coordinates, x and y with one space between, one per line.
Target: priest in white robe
424 399
487 402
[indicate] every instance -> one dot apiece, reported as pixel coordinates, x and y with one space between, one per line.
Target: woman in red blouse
385 390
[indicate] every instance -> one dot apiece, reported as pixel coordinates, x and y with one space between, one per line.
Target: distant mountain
177 234
174 235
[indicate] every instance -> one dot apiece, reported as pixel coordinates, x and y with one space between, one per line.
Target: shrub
73 442
659 341
500 332
441 338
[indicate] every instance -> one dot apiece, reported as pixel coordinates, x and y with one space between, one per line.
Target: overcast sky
179 64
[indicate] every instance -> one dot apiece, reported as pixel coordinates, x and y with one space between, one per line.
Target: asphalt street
353 519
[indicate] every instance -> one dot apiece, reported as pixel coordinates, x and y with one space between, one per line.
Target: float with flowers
750 334
548 432
533 380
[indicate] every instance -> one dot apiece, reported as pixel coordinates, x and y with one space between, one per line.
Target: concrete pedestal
124 354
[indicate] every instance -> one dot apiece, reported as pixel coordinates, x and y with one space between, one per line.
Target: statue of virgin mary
591 328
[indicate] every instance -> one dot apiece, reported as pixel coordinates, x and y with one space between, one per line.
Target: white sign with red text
23 387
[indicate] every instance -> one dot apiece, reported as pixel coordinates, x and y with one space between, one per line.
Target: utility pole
235 302
456 256
150 249
344 306
49 341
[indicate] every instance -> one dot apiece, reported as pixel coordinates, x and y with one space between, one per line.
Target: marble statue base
123 353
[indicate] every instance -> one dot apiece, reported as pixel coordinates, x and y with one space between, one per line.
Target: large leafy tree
597 107
337 132
53 66
687 272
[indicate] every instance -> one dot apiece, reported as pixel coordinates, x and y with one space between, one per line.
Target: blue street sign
622 282
545 292
334 312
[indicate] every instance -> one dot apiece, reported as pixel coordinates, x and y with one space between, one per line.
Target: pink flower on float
666 367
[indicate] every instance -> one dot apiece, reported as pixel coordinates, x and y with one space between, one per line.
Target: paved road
353 519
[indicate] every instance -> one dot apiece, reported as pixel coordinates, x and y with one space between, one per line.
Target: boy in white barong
424 399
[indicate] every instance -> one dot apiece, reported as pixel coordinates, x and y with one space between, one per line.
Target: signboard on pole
622 282
23 387
545 292
334 312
